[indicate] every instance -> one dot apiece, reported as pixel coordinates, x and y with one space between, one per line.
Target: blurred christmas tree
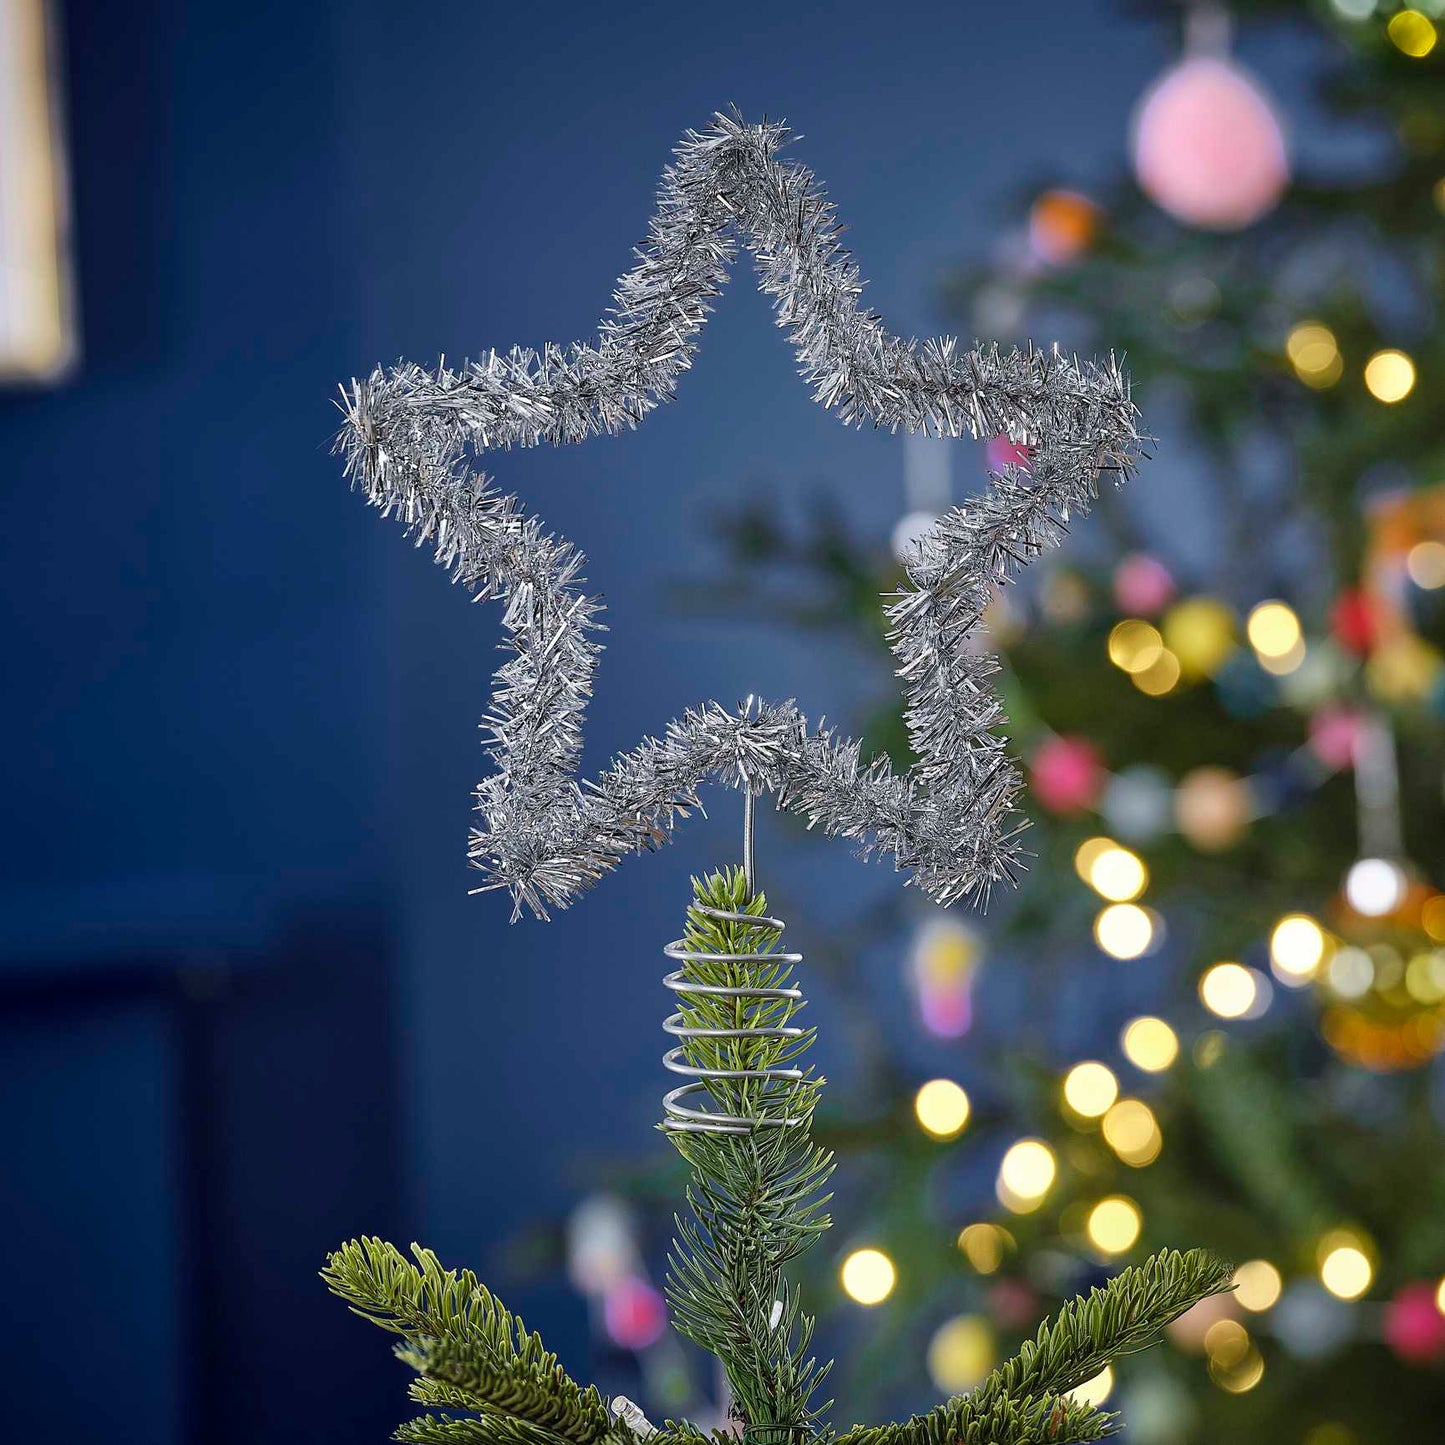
1233 724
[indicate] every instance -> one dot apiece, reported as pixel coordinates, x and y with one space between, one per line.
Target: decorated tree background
1232 715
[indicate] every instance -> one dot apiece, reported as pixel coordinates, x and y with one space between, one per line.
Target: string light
1117 873
1149 1044
1275 633
1025 1175
1230 990
1132 1132
984 1246
1440 1297
1134 644
1124 930
1375 887
942 1108
1389 376
1351 973
1114 1225
1314 354
1425 563
868 1276
1412 33
1088 852
1345 1268
1160 677
960 1353
1296 949
1093 1392
1090 1089
1257 1285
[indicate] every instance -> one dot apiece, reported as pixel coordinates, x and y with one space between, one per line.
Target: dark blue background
248 1008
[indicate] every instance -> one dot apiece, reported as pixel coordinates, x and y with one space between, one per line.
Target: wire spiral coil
777 1081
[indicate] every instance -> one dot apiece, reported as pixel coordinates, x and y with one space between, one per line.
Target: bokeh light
960 1353
1090 1089
1375 887
1160 677
868 1276
1132 1132
942 1108
1345 1267
1149 1044
1025 1175
1229 990
1257 1285
1440 1296
1425 564
1296 949
1114 1225
984 1246
1117 874
1134 644
1094 1391
1124 930
1275 633
1314 354
1389 376
1412 33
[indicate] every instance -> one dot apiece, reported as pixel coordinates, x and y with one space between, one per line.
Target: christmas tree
1232 717
743 1118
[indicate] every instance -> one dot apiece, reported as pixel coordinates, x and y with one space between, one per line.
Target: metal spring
682 1119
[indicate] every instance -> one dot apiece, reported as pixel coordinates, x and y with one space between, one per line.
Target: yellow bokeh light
1440 1297
868 1276
1229 990
1273 629
942 1108
1091 849
1425 562
1094 1391
961 1353
1118 874
1314 354
1296 949
1345 1268
1134 644
1132 1132
1425 977
1412 33
1240 1376
984 1246
1025 1175
1226 1342
1390 376
1199 631
1257 1285
1090 1089
1124 930
1114 1225
1150 1044
1160 677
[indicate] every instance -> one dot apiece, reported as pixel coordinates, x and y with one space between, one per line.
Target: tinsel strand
950 820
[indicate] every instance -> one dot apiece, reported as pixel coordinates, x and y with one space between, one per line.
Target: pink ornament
1142 585
1001 452
1414 1328
1208 147
634 1314
1335 735
1067 774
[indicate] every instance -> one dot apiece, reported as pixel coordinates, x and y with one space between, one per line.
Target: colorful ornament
1061 225
1067 774
634 1313
1212 807
1143 585
1200 632
946 955
1138 803
1413 1326
1208 147
1353 623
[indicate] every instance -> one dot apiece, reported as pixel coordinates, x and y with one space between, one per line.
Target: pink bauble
634 1313
1414 1328
1067 774
1142 585
1208 147
1001 453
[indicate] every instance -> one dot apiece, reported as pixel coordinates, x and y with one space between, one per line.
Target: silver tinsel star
949 821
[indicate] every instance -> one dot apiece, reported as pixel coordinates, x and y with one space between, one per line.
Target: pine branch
1126 1315
757 1197
469 1349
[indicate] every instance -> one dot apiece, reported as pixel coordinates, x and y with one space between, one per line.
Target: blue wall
234 694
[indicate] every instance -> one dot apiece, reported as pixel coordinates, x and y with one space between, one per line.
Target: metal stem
749 834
